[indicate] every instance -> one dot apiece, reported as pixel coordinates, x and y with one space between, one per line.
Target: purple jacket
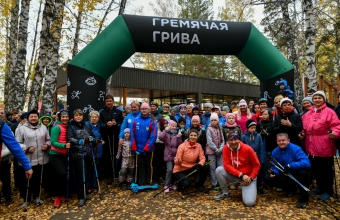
171 143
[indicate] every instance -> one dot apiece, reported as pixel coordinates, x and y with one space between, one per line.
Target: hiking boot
24 205
302 203
324 197
222 196
81 202
56 202
38 201
261 192
202 189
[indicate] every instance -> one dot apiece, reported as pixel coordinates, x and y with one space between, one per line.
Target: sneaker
301 203
24 205
38 201
317 192
202 189
122 186
56 202
88 197
166 189
174 187
324 197
81 202
279 190
222 196
233 187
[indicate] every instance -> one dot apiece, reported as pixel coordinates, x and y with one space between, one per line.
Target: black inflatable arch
128 34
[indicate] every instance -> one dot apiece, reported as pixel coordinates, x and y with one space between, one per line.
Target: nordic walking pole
180 180
112 162
137 153
230 184
83 163
95 169
27 187
41 176
68 173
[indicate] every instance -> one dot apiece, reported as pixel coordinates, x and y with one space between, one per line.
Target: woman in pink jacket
321 127
243 115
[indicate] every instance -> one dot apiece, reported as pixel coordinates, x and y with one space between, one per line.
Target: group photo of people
248 146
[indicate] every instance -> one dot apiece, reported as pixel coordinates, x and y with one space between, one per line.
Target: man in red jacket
240 163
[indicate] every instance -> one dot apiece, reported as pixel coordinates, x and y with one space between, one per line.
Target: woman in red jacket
321 127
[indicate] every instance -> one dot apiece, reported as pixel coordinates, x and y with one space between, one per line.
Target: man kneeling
295 162
240 163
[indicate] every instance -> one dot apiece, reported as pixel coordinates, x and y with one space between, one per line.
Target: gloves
286 169
218 151
81 142
198 167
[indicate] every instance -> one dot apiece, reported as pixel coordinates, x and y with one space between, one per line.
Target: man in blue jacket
295 162
8 139
143 137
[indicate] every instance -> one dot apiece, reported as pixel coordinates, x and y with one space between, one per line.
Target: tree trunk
76 35
104 17
9 86
17 94
50 80
289 34
30 68
310 43
42 59
121 11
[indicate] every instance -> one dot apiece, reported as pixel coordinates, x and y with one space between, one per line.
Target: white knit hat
242 102
286 100
321 93
208 105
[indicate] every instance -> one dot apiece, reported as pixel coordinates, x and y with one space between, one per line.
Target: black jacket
107 115
265 128
292 131
75 132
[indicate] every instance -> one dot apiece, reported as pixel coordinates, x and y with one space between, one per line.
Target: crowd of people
146 143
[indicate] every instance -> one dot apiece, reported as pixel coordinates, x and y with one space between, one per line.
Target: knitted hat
229 114
196 117
233 136
127 130
23 115
242 102
286 100
311 91
154 103
321 93
225 108
208 105
79 111
172 122
62 112
250 123
309 99
216 107
32 112
182 106
196 108
145 105
162 121
214 116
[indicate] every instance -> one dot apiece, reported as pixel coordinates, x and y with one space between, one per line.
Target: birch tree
310 22
39 71
13 37
50 80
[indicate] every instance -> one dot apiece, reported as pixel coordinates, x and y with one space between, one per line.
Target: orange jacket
189 155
